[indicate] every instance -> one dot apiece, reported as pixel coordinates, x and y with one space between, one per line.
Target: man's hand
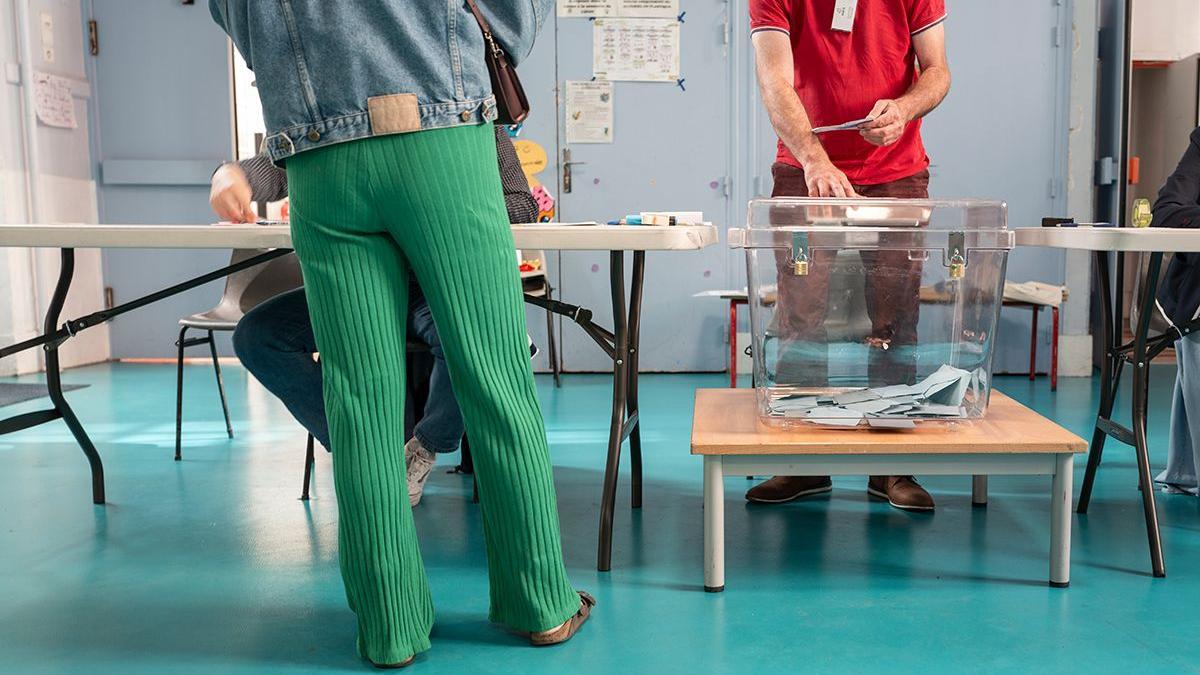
888 123
826 180
230 195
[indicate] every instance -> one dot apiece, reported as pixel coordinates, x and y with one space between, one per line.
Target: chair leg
1033 336
309 458
212 347
553 343
179 395
1054 353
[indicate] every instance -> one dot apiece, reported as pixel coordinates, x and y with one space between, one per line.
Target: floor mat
11 393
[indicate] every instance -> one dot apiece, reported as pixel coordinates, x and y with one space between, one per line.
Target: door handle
566 169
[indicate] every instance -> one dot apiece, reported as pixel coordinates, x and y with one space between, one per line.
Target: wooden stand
1012 439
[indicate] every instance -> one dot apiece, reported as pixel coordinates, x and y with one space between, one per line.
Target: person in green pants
384 183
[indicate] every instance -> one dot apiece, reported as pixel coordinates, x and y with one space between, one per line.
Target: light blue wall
162 87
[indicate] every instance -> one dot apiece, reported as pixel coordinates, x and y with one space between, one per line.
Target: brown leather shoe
568 628
902 492
782 489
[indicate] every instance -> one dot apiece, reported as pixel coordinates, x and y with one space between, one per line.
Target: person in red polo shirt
823 63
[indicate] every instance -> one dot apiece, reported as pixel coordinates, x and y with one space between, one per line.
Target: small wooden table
1011 440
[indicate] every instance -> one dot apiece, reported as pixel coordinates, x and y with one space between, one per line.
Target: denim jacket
330 71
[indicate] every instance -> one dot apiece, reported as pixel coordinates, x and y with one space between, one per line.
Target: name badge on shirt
843 15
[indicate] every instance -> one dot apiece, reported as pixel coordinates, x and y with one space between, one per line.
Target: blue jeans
275 343
1184 444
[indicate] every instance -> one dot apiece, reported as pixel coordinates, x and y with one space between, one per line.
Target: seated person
1178 205
275 340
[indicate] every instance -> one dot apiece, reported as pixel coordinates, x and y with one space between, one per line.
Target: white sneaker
420 463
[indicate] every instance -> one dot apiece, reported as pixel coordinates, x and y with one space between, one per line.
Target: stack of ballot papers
937 397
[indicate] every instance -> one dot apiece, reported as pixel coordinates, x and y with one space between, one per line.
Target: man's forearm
791 123
926 93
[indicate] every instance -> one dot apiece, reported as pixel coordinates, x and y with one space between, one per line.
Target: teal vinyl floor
212 565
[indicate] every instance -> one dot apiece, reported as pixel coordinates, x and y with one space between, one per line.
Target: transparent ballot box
873 313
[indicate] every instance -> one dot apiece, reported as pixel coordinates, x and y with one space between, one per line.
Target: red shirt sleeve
923 14
772 15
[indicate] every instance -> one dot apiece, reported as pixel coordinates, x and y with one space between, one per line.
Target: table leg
631 369
979 491
1107 379
733 344
1060 520
1054 350
617 423
54 379
1141 379
1033 336
714 525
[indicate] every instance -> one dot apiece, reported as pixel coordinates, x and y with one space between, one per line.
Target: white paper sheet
587 7
589 110
667 9
53 102
642 50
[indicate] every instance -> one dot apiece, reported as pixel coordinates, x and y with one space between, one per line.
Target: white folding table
621 343
1103 242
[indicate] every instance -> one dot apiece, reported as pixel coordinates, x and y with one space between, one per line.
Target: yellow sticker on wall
533 159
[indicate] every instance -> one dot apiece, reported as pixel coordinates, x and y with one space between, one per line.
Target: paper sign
589 112
53 102
587 7
644 50
667 9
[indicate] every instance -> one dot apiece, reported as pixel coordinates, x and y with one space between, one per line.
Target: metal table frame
621 344
1103 242
1138 353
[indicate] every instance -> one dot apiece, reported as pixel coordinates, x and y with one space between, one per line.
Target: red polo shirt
839 75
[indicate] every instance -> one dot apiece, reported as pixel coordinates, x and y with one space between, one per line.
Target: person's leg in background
357 284
440 429
441 192
803 344
893 284
275 342
1184 443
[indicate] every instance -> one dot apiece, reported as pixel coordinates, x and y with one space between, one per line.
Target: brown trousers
892 284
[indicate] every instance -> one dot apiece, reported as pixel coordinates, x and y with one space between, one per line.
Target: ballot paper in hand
844 126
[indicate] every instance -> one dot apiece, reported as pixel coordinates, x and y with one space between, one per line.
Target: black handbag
511 103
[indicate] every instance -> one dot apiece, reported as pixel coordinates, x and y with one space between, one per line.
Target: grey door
670 151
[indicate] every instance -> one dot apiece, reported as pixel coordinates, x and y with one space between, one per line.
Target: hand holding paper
885 124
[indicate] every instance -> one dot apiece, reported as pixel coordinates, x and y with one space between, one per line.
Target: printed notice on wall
587 7
644 50
667 9
52 101
589 112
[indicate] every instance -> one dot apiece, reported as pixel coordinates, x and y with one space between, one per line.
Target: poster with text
589 111
642 50
587 7
666 9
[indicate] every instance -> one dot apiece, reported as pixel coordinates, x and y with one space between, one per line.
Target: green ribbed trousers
362 214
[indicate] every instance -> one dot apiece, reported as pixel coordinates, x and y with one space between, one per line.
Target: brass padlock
800 267
958 266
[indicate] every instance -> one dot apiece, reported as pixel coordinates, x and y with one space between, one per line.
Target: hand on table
230 195
887 123
826 180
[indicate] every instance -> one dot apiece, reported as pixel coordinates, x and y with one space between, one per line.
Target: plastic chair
537 284
243 291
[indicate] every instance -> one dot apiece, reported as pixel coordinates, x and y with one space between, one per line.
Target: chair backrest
246 289
1158 323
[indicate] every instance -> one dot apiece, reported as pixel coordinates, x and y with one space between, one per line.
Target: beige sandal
568 629
392 666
